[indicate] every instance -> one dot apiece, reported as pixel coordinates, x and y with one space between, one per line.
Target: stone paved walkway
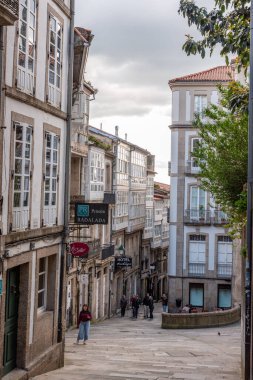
126 349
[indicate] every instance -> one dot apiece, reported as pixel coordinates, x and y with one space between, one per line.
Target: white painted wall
173 199
174 151
175 106
187 106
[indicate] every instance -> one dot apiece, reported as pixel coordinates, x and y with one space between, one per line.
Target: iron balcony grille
197 216
196 269
107 251
224 270
109 198
220 217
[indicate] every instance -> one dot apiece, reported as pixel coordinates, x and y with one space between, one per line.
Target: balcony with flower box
197 216
220 217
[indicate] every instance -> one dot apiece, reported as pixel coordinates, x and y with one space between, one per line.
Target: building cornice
63 7
34 102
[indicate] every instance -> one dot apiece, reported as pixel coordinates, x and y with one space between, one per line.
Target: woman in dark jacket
84 324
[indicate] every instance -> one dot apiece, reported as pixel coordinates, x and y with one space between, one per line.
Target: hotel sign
123 262
91 213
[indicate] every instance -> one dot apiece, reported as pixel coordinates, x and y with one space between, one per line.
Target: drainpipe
1 110
62 285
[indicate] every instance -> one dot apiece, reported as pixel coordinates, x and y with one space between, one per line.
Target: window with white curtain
26 45
21 175
200 103
55 61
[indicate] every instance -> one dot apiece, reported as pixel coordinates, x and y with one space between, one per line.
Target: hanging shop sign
123 262
79 249
91 213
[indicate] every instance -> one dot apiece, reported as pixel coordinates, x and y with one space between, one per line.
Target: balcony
197 216
107 251
8 12
224 270
220 217
148 233
79 145
156 242
196 269
192 167
109 198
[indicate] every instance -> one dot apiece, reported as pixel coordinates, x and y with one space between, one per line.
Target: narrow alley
127 349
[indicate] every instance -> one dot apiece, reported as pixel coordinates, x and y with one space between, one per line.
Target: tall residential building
201 270
34 120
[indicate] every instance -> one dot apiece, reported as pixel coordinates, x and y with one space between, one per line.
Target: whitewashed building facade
200 266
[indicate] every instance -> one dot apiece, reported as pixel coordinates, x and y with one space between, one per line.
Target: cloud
137 48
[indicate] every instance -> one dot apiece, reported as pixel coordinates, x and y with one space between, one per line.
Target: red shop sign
79 249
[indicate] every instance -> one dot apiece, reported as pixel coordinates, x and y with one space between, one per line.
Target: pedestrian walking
164 300
84 324
151 307
135 302
123 305
146 306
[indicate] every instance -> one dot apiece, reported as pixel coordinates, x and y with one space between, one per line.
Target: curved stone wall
199 320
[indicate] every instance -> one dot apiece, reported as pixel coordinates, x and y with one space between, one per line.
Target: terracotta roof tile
216 74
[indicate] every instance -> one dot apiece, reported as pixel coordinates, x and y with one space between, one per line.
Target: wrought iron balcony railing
107 251
196 269
220 217
197 216
224 270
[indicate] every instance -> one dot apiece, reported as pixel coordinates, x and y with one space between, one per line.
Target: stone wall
199 320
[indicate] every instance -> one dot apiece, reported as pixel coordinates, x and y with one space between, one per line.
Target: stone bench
202 319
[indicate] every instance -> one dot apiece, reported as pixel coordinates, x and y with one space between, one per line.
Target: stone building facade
34 108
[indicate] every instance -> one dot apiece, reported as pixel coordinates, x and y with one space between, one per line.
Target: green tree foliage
226 25
222 152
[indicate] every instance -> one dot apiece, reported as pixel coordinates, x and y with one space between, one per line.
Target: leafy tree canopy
222 152
227 25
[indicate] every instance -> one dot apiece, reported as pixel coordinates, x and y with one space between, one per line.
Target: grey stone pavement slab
127 349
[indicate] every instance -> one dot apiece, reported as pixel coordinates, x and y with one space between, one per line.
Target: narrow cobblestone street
127 349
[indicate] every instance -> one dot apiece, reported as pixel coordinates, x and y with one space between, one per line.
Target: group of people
147 302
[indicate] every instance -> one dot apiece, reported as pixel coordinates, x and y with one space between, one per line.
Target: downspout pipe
62 285
1 109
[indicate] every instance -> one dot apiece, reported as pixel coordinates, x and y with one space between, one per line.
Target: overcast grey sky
137 48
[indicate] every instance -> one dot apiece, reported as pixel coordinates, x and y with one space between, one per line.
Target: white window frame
22 176
51 178
55 60
43 290
200 104
26 46
197 256
97 172
194 164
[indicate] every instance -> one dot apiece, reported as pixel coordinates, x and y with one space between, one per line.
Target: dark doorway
11 320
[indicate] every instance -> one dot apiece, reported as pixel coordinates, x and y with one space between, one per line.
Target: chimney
101 126
126 136
117 131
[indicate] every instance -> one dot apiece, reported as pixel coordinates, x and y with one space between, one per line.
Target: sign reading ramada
79 249
91 213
